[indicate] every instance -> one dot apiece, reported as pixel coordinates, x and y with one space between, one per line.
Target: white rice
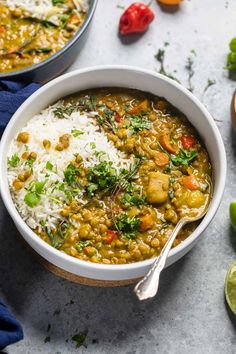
93 146
44 9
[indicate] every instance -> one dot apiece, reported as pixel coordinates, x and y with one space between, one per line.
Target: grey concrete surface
189 314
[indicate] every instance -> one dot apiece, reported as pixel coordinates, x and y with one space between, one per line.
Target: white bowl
115 76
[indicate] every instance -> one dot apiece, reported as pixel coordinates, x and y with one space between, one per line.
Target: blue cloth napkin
10 329
12 95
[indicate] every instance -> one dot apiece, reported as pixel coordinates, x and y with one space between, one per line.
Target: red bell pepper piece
118 118
111 236
136 19
187 141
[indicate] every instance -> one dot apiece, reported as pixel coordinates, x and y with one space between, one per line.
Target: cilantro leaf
71 173
14 160
76 132
184 157
129 226
49 166
138 123
129 199
32 199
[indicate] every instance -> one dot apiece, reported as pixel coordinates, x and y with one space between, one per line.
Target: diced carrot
187 141
190 182
147 222
161 159
141 107
2 29
165 142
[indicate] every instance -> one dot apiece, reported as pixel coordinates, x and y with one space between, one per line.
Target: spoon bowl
148 286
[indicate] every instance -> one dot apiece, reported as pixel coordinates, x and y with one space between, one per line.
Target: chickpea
136 254
65 140
59 147
155 243
106 261
17 184
122 133
90 251
103 228
84 231
46 144
25 155
152 117
171 216
108 222
95 259
33 155
87 215
16 13
144 249
119 243
23 137
64 212
24 176
78 159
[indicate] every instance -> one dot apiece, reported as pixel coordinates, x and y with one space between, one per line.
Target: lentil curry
27 38
120 202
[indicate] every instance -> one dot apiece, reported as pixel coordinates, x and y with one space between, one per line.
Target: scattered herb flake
80 338
47 339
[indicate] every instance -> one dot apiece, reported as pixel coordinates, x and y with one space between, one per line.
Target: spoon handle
148 286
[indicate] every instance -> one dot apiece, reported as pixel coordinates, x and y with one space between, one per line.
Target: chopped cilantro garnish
14 160
129 199
128 226
76 132
80 338
30 163
101 176
138 122
49 166
71 174
93 145
32 199
184 157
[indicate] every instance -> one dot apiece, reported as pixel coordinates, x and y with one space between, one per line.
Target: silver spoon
148 286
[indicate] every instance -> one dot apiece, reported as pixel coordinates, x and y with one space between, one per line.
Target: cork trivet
73 277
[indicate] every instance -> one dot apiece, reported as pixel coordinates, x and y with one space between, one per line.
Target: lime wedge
230 287
232 213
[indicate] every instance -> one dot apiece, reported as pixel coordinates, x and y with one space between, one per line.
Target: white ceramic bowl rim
96 266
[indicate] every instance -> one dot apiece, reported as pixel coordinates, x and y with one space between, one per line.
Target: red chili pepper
136 18
111 236
118 118
187 141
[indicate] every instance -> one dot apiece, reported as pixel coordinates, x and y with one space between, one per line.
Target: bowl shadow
38 297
